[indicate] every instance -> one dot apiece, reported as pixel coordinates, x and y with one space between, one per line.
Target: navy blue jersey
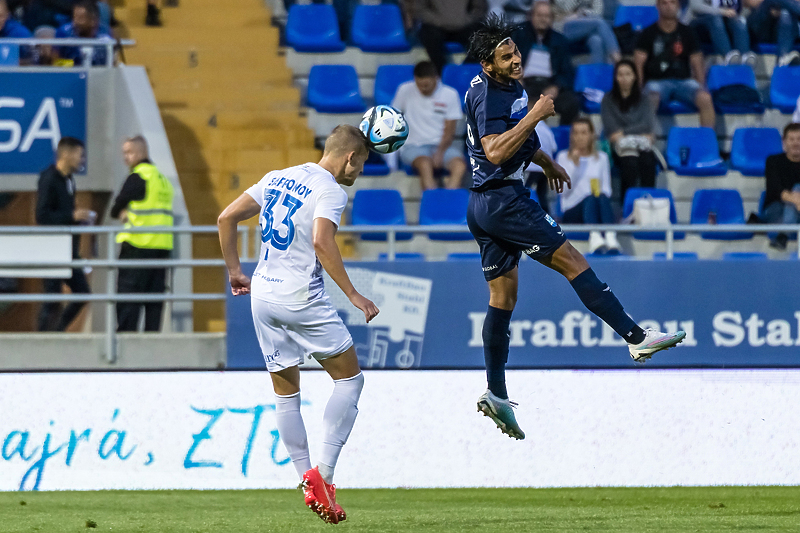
495 108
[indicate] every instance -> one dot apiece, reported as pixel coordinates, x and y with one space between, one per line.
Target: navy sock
598 298
495 349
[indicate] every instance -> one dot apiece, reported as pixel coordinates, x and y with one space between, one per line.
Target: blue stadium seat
674 107
723 75
313 28
534 195
388 78
379 28
445 206
751 147
704 158
453 48
464 256
592 82
627 208
745 256
725 205
459 77
375 165
784 88
334 89
561 134
403 256
677 256
379 207
639 17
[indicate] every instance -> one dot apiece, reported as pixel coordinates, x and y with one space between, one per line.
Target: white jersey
288 270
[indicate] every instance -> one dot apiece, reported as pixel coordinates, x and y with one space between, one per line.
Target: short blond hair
345 139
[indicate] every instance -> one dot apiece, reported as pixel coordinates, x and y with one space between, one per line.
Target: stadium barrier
12 45
216 430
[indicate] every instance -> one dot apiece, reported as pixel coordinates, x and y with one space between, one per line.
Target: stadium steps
229 107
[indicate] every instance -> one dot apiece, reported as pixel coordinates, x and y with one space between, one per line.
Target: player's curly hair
494 30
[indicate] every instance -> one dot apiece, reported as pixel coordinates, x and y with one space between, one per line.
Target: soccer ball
385 129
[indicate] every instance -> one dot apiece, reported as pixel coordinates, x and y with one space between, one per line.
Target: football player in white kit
299 210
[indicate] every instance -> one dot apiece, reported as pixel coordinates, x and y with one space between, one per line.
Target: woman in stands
629 123
589 199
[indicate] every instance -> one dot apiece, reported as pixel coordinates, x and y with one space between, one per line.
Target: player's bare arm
500 147
555 173
239 210
327 250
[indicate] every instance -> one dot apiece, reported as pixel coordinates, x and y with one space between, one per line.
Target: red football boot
322 497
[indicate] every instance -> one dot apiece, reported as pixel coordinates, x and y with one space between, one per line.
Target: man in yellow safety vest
145 200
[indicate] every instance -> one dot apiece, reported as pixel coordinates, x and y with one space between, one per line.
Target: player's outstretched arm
555 173
331 259
500 147
239 210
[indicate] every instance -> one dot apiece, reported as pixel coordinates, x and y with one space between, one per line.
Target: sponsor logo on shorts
550 220
488 269
271 356
533 249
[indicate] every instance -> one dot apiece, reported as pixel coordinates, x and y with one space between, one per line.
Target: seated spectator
583 23
670 62
547 66
444 21
588 201
782 200
515 11
85 24
720 22
629 123
536 178
775 21
46 54
431 110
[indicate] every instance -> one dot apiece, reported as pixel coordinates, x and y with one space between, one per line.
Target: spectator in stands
629 123
536 178
547 66
444 21
45 54
588 201
86 25
670 62
144 200
583 23
775 21
55 206
431 110
782 200
9 26
515 11
721 22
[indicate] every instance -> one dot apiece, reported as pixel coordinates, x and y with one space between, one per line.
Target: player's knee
350 387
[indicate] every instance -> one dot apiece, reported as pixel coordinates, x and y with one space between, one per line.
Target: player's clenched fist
240 284
544 107
370 309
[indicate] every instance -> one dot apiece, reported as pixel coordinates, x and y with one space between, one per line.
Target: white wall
415 429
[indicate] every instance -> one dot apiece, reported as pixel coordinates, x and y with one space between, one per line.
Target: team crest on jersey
520 107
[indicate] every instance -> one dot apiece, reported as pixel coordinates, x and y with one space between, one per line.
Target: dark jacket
557 45
55 202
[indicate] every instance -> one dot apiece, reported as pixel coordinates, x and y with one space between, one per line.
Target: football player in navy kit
501 141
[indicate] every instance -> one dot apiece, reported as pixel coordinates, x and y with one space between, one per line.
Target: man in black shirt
670 63
782 201
55 206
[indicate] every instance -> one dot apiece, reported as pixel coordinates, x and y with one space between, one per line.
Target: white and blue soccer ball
385 128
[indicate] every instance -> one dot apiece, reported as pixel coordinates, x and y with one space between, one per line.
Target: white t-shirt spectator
548 142
426 115
588 169
796 114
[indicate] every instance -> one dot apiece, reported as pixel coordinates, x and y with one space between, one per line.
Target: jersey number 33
270 233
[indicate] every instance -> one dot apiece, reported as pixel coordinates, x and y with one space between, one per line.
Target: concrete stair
229 108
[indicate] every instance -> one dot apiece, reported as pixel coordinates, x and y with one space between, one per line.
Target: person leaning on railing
145 200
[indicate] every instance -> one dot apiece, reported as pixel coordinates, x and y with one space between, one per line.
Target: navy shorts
506 222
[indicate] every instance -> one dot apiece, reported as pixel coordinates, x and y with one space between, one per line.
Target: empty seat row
695 151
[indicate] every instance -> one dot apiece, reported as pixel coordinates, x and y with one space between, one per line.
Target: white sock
340 415
292 431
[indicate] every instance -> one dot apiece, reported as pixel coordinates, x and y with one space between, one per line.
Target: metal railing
109 44
248 243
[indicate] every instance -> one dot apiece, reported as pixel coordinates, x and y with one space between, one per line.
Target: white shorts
289 332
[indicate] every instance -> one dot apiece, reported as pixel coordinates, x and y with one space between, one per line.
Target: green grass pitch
743 509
